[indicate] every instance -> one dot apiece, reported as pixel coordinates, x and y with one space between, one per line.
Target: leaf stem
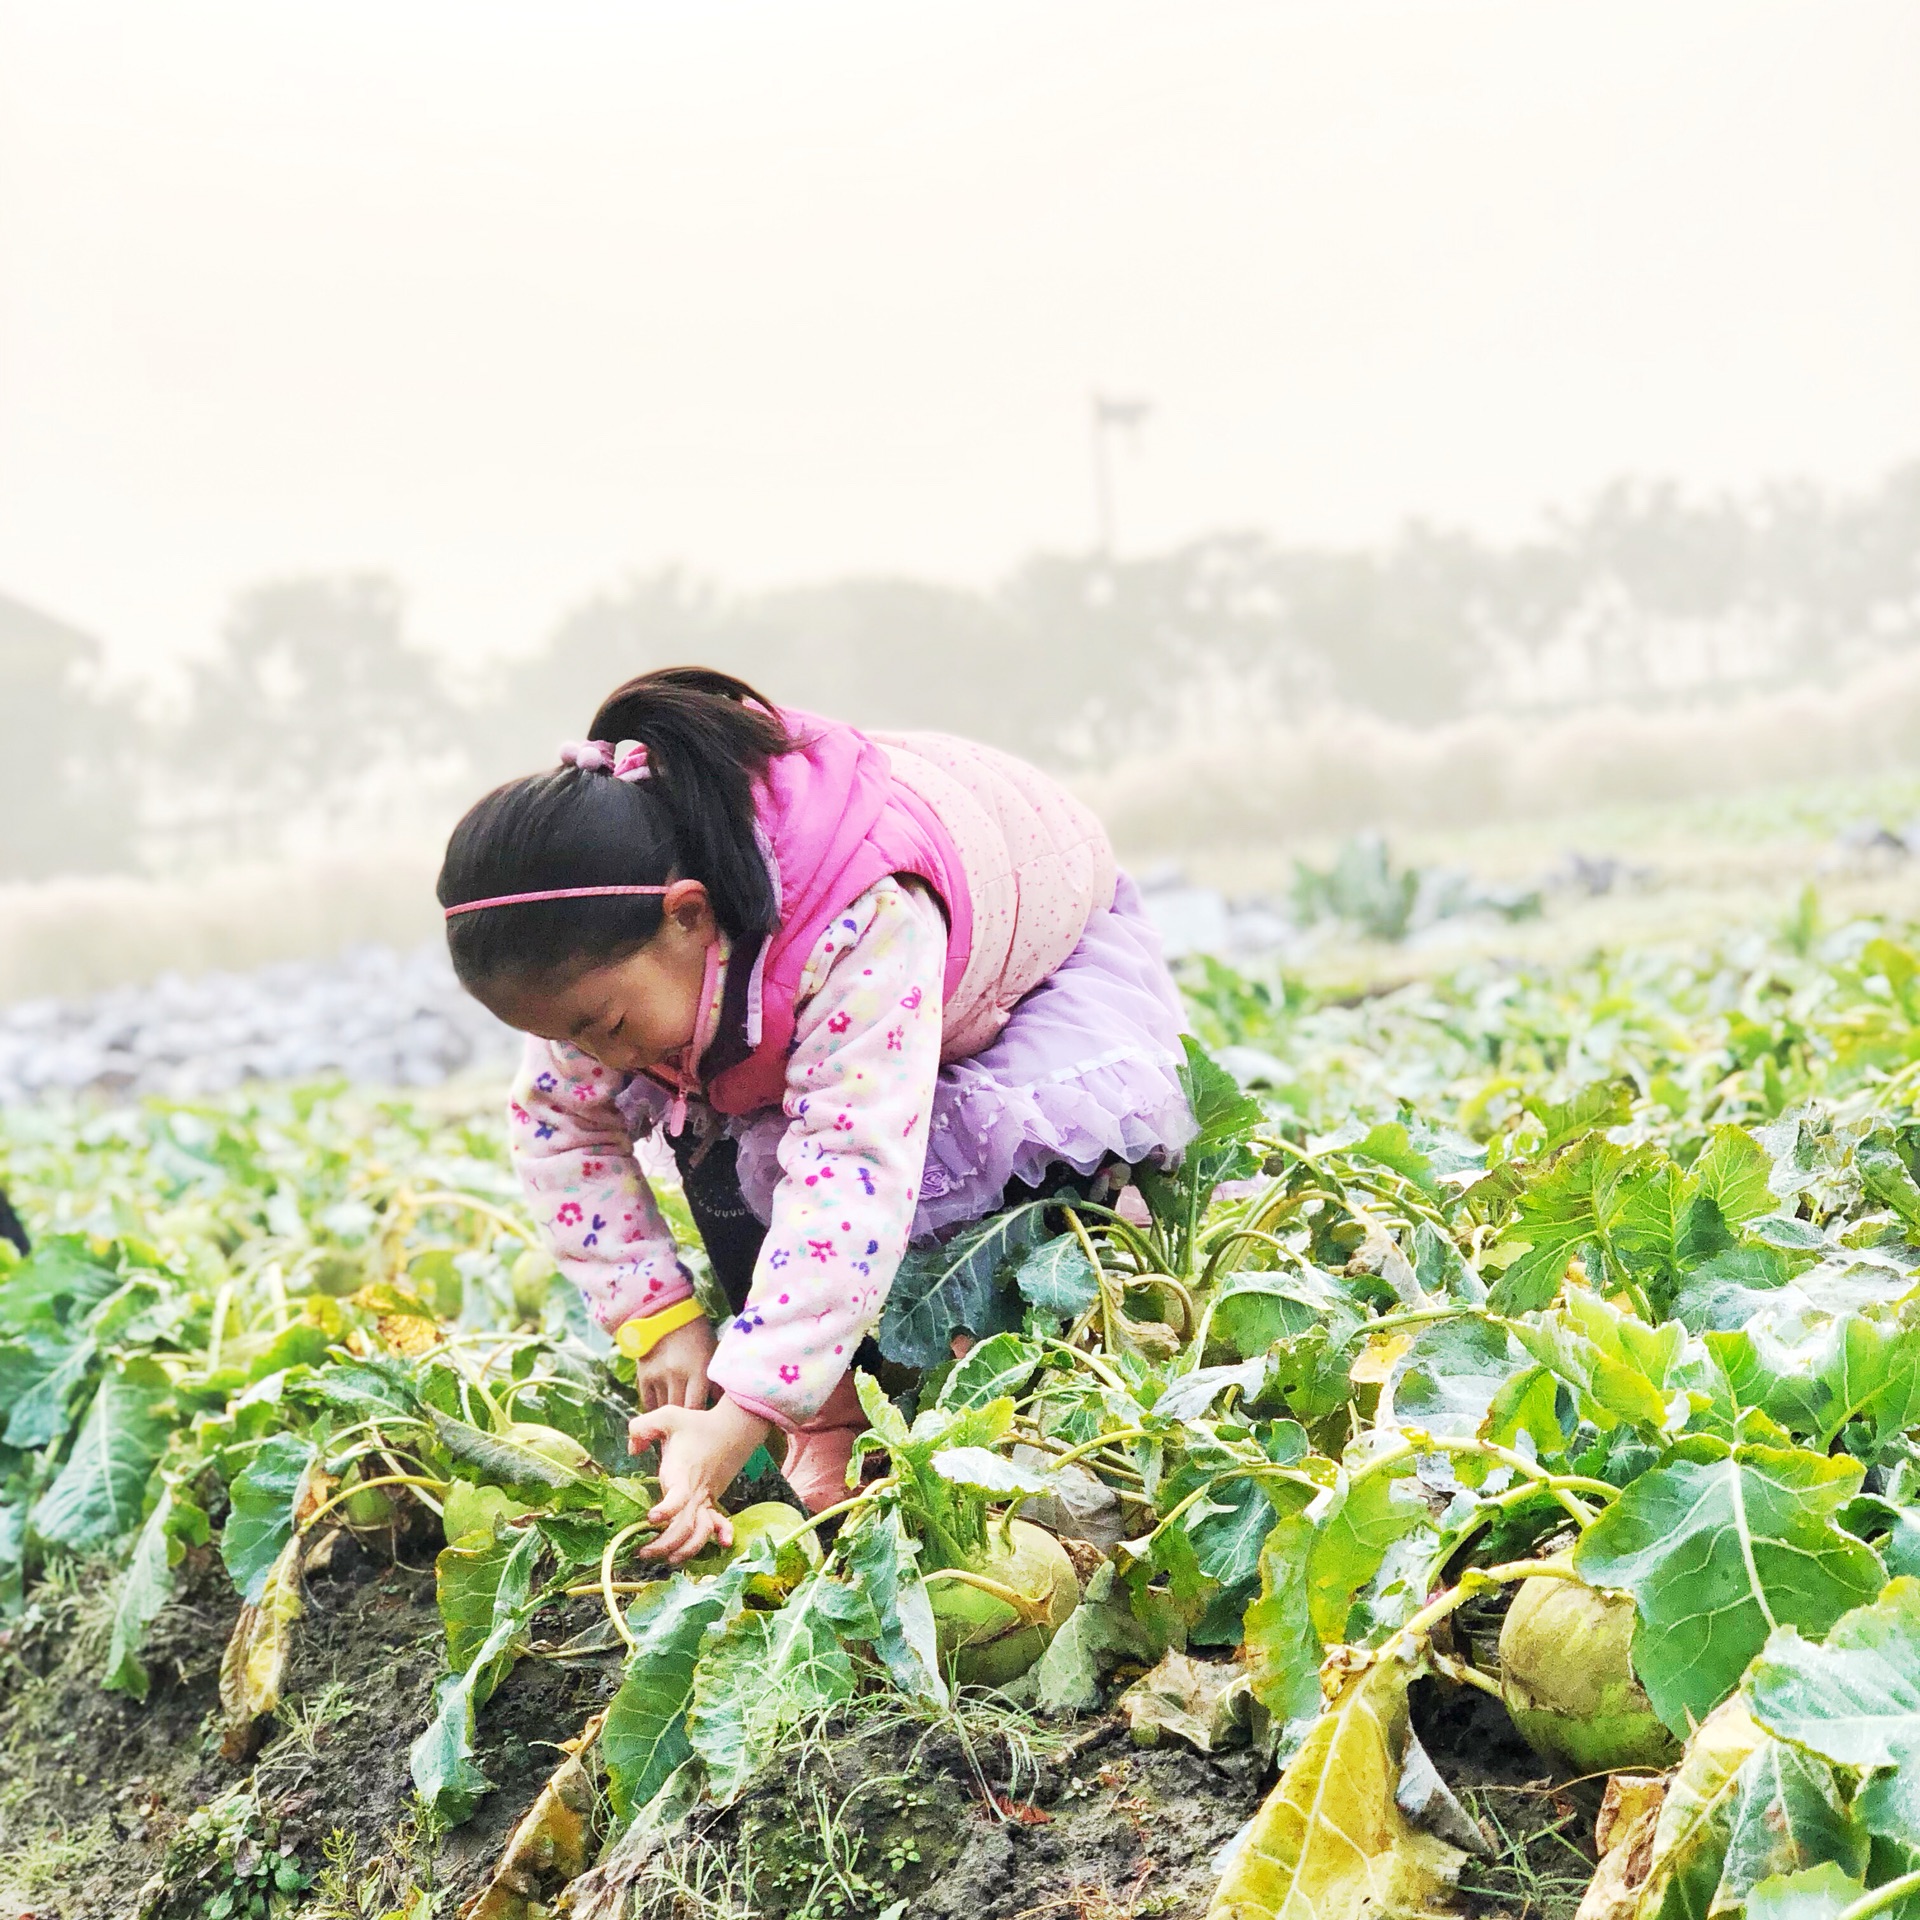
363 1486
614 1545
1878 1899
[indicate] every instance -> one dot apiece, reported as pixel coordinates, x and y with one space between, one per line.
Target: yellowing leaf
255 1661
1330 1842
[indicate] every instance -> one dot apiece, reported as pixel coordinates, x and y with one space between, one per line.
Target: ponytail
708 739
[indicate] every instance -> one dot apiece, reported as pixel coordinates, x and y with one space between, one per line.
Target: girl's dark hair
708 737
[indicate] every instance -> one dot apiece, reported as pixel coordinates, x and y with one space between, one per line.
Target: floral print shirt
859 1086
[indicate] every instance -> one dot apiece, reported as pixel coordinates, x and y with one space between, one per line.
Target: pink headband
627 761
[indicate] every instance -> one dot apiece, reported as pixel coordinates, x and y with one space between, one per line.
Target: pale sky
512 298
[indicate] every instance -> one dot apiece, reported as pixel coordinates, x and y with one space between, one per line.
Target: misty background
1282 421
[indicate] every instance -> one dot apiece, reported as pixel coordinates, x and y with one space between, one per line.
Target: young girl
867 985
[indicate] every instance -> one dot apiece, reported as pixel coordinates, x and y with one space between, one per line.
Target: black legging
10 1227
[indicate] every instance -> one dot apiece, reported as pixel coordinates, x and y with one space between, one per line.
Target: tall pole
1102 481
1110 415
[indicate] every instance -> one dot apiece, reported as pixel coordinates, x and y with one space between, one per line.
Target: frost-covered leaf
1331 1842
1718 1546
1817 1893
1789 1813
993 1370
1448 1378
948 1287
1855 1700
985 1471
1057 1277
1189 1395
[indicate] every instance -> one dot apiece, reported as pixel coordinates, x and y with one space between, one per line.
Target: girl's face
633 1013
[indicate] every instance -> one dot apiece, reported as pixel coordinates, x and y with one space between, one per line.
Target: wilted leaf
1201 1702
1789 1814
1331 1841
255 1662
1696 1818
1282 1649
503 1461
552 1845
1718 1547
985 1471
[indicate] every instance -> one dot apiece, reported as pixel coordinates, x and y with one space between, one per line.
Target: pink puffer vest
1017 862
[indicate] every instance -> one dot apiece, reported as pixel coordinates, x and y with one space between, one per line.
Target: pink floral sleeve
859 1087
574 1156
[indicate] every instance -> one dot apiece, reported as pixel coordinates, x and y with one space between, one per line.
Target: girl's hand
701 1450
674 1374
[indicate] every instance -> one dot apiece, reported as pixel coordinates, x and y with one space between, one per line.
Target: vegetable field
1485 1478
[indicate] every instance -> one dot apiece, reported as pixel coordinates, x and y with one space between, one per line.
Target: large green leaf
41 1372
147 1585
994 1369
1330 1842
882 1562
1577 1203
1620 1369
1733 1172
263 1500
761 1674
1856 1701
1789 1813
61 1280
1057 1277
99 1492
448 1779
1282 1649
948 1287
645 1735
1368 1519
466 1579
1719 1546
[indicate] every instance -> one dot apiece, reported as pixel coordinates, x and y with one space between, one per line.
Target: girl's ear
685 903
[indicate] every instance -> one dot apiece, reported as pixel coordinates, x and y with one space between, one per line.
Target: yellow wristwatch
638 1338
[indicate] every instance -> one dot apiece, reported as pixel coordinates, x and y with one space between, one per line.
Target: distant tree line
315 707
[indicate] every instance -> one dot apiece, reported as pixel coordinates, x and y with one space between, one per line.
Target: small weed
1537 1870
226 1863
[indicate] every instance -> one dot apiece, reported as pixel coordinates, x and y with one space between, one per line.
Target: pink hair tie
550 893
627 761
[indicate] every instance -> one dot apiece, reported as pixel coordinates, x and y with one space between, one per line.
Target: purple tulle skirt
1085 1071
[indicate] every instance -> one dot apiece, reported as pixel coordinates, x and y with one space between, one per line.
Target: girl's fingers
649 1396
693 1392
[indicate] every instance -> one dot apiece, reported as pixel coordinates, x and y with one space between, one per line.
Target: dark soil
1090 1828
1017 1820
